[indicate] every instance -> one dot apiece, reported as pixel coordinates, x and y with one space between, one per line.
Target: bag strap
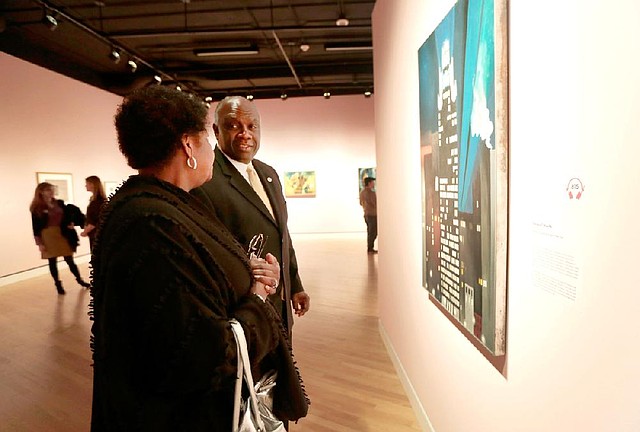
238 387
244 368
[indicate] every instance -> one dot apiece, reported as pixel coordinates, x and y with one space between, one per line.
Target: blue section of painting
478 84
469 29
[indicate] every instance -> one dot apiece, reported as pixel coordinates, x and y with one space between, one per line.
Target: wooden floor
45 373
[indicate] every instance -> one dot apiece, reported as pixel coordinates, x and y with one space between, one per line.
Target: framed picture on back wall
62 184
300 184
363 173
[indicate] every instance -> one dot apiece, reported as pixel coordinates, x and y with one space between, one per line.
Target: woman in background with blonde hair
98 198
53 224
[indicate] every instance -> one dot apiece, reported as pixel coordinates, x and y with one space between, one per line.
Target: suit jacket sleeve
296 282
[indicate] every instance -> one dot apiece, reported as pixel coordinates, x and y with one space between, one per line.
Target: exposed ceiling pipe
293 71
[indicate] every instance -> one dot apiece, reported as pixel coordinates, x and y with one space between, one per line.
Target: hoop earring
193 165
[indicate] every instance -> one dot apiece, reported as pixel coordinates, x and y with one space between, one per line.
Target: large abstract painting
464 151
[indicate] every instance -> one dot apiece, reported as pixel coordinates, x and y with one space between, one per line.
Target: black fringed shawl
167 276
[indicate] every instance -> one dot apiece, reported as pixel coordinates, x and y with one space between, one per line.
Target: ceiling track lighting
342 21
158 79
50 20
133 66
304 47
283 96
114 55
52 16
250 97
367 93
208 99
327 95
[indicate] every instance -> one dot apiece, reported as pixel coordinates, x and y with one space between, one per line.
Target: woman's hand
87 229
42 247
266 273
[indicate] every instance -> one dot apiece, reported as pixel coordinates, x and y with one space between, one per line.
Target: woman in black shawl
167 277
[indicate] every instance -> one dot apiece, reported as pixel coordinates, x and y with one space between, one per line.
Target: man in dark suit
239 205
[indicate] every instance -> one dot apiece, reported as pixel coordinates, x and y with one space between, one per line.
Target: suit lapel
238 182
270 187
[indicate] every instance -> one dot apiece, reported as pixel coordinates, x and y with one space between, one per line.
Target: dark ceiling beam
85 9
245 31
275 71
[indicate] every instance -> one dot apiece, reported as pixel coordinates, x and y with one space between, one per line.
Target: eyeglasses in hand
256 245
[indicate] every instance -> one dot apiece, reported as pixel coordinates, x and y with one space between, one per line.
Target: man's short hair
368 180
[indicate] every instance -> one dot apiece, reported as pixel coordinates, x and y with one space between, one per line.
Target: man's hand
300 302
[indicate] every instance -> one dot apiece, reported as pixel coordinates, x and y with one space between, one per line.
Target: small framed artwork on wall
62 184
363 173
300 184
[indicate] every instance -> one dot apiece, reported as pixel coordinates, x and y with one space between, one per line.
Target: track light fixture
367 93
283 96
50 20
178 88
249 97
114 55
327 95
342 21
158 79
52 16
208 99
304 47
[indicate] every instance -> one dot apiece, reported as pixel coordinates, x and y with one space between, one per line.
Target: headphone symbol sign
575 188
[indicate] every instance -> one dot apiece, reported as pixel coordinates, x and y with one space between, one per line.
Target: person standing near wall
369 204
98 198
246 195
53 224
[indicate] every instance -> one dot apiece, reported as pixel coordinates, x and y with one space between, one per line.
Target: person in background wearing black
53 224
98 198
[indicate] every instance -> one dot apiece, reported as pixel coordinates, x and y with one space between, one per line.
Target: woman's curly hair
151 121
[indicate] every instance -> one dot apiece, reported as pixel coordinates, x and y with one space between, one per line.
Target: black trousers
372 230
53 267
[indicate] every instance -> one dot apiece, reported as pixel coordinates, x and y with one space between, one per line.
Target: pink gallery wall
52 123
333 137
49 123
572 360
